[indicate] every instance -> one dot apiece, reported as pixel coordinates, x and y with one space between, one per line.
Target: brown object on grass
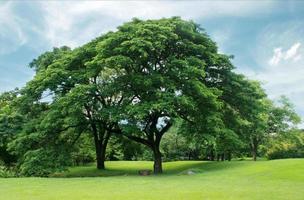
145 172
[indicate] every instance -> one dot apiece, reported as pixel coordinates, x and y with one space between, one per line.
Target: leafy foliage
10 125
42 162
286 145
6 172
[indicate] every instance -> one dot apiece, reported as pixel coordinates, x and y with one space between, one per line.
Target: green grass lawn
266 180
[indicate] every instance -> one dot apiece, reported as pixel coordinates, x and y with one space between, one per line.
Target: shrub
6 172
288 145
43 162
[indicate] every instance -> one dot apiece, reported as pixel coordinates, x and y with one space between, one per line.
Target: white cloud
11 33
285 78
291 54
297 58
74 23
277 56
283 73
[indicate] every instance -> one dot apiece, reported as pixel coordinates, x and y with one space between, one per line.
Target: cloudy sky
266 37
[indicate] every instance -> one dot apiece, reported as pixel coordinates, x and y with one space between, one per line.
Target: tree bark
101 136
152 140
153 144
254 154
157 167
101 150
254 149
100 154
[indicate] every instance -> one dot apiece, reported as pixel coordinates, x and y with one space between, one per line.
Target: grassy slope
278 179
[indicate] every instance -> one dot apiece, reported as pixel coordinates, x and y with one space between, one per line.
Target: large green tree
136 82
80 98
170 69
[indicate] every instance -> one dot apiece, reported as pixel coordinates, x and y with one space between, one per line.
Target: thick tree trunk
100 155
101 137
100 147
153 144
157 167
152 140
100 162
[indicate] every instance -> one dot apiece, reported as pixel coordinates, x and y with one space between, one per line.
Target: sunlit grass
278 179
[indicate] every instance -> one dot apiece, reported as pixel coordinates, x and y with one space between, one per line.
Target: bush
43 162
288 145
6 172
285 150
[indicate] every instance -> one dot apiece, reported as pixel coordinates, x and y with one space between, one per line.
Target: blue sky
266 37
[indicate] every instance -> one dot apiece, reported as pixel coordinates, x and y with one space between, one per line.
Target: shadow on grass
131 168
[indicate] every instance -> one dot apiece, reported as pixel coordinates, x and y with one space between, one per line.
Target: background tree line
154 89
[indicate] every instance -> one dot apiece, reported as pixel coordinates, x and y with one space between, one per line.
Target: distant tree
252 115
282 116
245 114
255 112
10 125
289 144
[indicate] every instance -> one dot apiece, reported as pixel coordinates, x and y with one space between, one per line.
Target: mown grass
128 168
278 179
